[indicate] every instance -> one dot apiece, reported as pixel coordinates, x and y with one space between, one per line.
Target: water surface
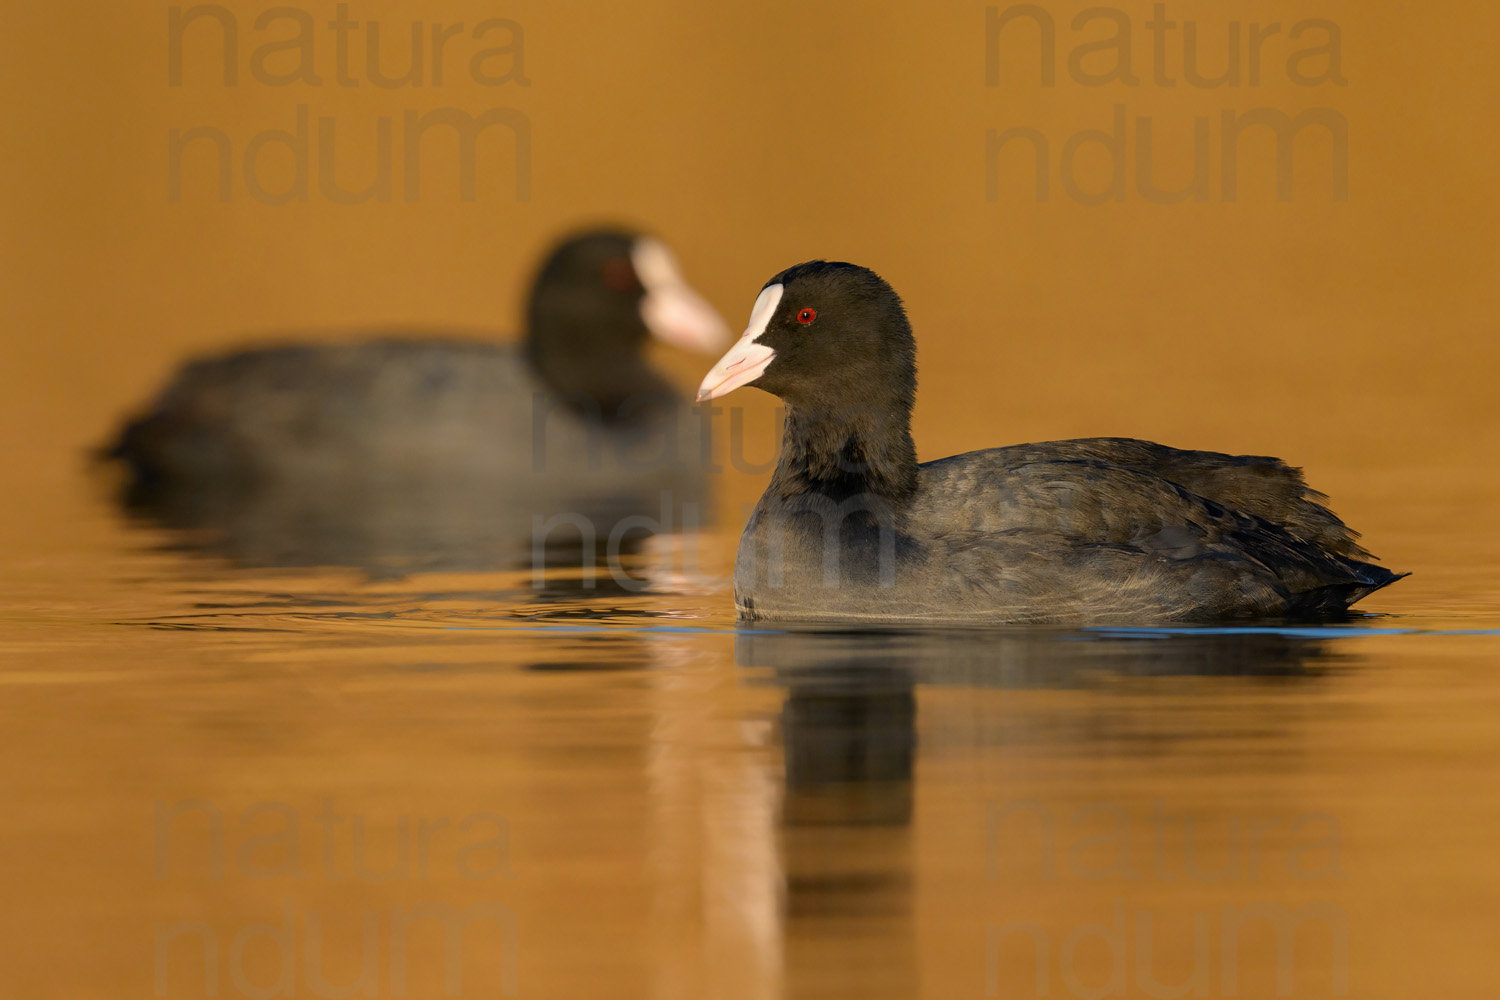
632 796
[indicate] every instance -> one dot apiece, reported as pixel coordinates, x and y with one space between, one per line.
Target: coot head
824 335
605 290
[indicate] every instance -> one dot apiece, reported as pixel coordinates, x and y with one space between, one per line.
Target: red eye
807 315
619 274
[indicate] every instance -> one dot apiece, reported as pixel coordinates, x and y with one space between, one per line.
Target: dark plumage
440 452
1087 531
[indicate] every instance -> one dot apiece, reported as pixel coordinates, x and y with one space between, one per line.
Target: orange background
1355 338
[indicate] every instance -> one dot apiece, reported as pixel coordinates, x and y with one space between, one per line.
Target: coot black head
597 297
832 340
824 335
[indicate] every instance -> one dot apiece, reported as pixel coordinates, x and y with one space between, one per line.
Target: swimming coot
1096 530
439 452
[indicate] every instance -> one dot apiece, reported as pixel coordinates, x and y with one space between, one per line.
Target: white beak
747 360
671 310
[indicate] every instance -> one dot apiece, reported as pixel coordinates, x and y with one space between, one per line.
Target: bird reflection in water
850 725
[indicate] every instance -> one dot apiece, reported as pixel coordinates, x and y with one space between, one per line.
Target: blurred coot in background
409 451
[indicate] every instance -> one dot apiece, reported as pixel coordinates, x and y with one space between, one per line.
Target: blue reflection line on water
1308 631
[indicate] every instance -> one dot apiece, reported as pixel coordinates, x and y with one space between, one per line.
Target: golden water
662 805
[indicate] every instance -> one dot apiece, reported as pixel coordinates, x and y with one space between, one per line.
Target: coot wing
1021 525
1260 485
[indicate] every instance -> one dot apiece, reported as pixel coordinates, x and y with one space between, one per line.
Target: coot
439 452
1096 530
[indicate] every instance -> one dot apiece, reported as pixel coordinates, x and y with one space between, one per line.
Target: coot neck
587 366
839 453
